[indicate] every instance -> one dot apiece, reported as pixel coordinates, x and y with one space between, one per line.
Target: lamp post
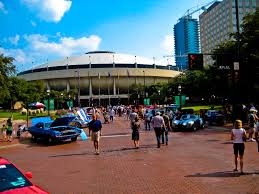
48 93
78 88
180 90
158 96
61 100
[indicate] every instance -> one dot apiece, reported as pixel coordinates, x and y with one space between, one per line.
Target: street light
78 88
180 90
48 93
158 96
61 100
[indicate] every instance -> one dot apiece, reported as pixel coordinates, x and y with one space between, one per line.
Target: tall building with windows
219 20
186 34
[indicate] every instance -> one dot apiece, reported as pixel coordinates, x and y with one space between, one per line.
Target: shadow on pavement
39 143
143 147
223 174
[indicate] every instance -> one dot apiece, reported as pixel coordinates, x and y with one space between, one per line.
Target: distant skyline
37 31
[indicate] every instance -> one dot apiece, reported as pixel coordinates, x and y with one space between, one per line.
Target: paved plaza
193 162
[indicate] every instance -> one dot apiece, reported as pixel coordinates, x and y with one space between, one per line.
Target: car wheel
194 127
50 140
74 139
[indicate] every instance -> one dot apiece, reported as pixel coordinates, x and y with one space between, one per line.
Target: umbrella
36 105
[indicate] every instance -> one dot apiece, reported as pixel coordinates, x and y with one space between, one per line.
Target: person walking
252 119
147 120
135 126
3 130
166 129
9 130
238 135
257 135
111 113
95 127
158 123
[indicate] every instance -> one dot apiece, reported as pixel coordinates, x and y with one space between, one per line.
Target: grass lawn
196 109
19 116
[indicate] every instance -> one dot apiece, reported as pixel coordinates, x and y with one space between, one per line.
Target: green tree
6 69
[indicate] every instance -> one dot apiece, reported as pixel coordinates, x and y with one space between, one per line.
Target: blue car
187 122
56 131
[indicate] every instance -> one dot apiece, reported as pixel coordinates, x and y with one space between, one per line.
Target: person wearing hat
238 135
252 119
158 124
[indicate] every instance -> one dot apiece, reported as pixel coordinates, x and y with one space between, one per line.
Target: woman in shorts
238 135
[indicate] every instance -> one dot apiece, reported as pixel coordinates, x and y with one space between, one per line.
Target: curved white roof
101 57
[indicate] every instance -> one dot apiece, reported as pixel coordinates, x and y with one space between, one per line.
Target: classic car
188 121
58 130
74 120
13 180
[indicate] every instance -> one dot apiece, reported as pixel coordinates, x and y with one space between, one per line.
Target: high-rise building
219 20
186 34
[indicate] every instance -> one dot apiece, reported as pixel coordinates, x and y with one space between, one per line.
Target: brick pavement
193 162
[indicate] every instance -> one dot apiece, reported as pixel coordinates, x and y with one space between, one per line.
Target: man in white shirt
158 124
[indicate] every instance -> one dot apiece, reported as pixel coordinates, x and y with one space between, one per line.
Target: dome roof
101 57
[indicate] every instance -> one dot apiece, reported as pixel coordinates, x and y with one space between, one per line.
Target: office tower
218 21
186 34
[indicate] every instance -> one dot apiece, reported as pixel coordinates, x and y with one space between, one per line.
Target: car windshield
185 117
63 121
12 178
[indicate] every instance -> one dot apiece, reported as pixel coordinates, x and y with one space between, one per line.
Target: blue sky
37 31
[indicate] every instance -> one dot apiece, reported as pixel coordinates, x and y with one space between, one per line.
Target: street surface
193 162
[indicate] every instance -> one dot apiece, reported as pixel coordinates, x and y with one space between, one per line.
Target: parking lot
193 162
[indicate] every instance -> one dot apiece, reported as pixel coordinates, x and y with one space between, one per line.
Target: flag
99 76
128 73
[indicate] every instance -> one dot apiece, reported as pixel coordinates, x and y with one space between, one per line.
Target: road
193 162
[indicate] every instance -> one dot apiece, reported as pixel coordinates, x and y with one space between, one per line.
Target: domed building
100 76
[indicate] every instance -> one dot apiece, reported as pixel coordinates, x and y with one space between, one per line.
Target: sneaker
250 139
166 143
253 140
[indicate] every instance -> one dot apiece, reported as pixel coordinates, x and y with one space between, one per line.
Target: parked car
58 130
215 117
13 180
74 120
188 121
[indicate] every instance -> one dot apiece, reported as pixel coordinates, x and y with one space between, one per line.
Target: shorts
95 136
8 132
239 148
251 130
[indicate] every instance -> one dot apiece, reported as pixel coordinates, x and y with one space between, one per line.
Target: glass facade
186 34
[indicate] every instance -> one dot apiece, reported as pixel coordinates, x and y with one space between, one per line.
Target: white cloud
14 40
49 10
168 47
17 54
168 44
2 8
65 46
33 23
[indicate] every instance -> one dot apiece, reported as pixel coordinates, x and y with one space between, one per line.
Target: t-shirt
95 125
238 135
166 119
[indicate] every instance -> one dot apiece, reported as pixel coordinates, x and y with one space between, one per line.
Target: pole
27 106
99 92
48 105
233 70
144 84
78 84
